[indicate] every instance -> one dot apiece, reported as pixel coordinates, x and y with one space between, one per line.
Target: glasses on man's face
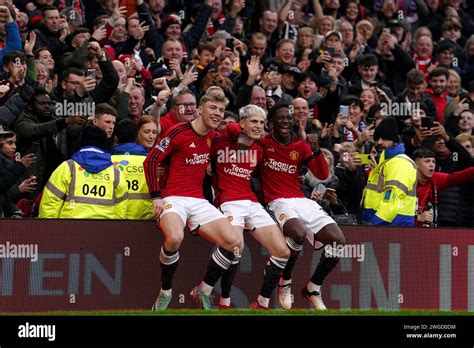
75 83
287 50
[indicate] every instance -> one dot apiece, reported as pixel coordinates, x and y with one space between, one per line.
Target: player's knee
282 253
174 241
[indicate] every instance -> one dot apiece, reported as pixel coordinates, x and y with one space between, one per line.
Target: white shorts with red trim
308 211
246 214
194 212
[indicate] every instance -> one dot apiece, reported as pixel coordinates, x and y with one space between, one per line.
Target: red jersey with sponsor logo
185 154
232 169
281 165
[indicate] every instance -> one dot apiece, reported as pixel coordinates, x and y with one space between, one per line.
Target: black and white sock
169 261
228 279
295 250
273 271
220 261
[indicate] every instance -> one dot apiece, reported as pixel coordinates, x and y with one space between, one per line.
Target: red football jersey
186 155
232 169
282 164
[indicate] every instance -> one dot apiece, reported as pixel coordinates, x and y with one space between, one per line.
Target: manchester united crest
294 155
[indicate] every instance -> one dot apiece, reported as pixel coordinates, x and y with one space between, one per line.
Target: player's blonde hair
250 110
213 97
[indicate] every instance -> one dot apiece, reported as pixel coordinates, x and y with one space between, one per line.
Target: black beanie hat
93 136
126 131
387 129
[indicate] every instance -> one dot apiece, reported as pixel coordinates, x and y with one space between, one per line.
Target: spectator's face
432 4
424 47
346 158
172 50
133 24
121 71
225 123
205 57
79 39
352 11
440 149
216 8
469 147
368 73
42 105
347 32
258 98
383 144
46 58
105 122
288 81
136 102
338 64
8 146
283 122
253 126
417 115
426 166
51 20
156 6
258 47
225 69
70 84
16 71
368 99
355 114
414 91
454 85
119 31
94 64
212 113
325 26
453 33
185 108
305 39
388 9
466 121
147 135
268 23
238 26
438 84
366 32
41 74
307 88
333 41
332 4
173 32
300 110
446 57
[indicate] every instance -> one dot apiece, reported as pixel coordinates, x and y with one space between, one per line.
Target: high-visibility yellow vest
74 193
390 194
140 205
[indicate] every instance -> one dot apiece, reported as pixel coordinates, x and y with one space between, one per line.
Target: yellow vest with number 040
74 193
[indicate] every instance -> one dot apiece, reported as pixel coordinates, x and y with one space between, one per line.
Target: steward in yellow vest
128 157
390 194
88 186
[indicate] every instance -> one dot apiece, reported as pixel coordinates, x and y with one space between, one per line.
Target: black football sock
169 261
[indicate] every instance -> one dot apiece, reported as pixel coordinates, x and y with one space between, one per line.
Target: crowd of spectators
70 63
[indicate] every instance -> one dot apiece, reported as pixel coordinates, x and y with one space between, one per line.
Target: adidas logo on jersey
192 145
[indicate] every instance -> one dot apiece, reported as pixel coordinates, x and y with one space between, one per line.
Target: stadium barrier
72 265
